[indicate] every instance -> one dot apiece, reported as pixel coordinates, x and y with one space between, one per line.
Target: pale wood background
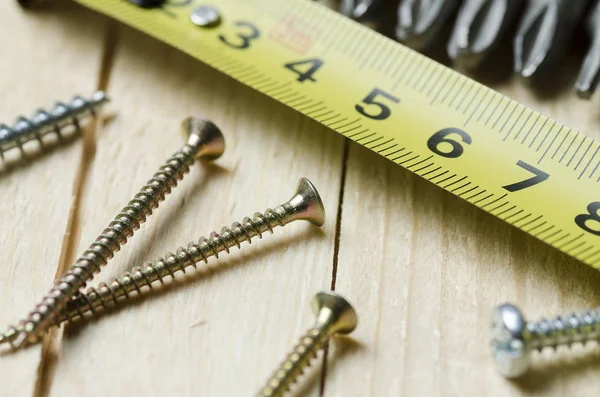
422 267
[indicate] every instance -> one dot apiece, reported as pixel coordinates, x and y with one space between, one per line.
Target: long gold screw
305 205
203 140
334 315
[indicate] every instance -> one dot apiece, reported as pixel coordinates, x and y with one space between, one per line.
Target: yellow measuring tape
493 152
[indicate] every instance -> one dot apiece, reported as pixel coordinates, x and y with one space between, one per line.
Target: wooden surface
422 267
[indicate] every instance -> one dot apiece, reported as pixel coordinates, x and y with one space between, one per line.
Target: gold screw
203 140
334 315
305 205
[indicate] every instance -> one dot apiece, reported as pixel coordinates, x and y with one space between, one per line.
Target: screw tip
335 312
584 93
508 344
204 136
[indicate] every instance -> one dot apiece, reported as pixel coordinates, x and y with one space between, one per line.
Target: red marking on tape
295 34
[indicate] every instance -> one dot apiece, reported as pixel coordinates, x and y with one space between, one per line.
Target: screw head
334 313
205 16
203 135
509 347
306 204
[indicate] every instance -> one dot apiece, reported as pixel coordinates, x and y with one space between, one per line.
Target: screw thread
140 278
45 122
295 363
564 330
100 251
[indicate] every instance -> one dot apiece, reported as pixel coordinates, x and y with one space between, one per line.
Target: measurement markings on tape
493 152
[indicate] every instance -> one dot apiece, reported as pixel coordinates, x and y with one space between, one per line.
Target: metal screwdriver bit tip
479 29
361 10
420 21
544 34
204 140
589 76
334 315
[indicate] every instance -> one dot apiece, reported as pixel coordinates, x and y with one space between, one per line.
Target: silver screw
205 16
203 140
46 122
513 338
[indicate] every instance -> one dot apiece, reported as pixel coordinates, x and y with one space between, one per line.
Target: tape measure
491 151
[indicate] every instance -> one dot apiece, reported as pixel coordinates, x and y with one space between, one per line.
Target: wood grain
37 69
430 269
422 267
242 316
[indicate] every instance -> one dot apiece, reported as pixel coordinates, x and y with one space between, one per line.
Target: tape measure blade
493 152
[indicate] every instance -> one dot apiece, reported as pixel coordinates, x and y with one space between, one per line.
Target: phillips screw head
514 338
509 349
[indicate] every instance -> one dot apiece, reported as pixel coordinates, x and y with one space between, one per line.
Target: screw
513 338
334 315
203 140
205 16
305 205
44 122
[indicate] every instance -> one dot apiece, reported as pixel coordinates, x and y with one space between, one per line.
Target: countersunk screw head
306 204
334 313
203 135
509 346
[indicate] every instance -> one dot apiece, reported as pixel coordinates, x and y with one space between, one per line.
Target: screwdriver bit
589 76
545 33
420 21
333 4
480 27
361 10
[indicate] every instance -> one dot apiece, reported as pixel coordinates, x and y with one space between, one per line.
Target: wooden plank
422 267
37 69
220 332
425 269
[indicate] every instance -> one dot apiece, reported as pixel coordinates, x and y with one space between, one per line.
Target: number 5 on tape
493 152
